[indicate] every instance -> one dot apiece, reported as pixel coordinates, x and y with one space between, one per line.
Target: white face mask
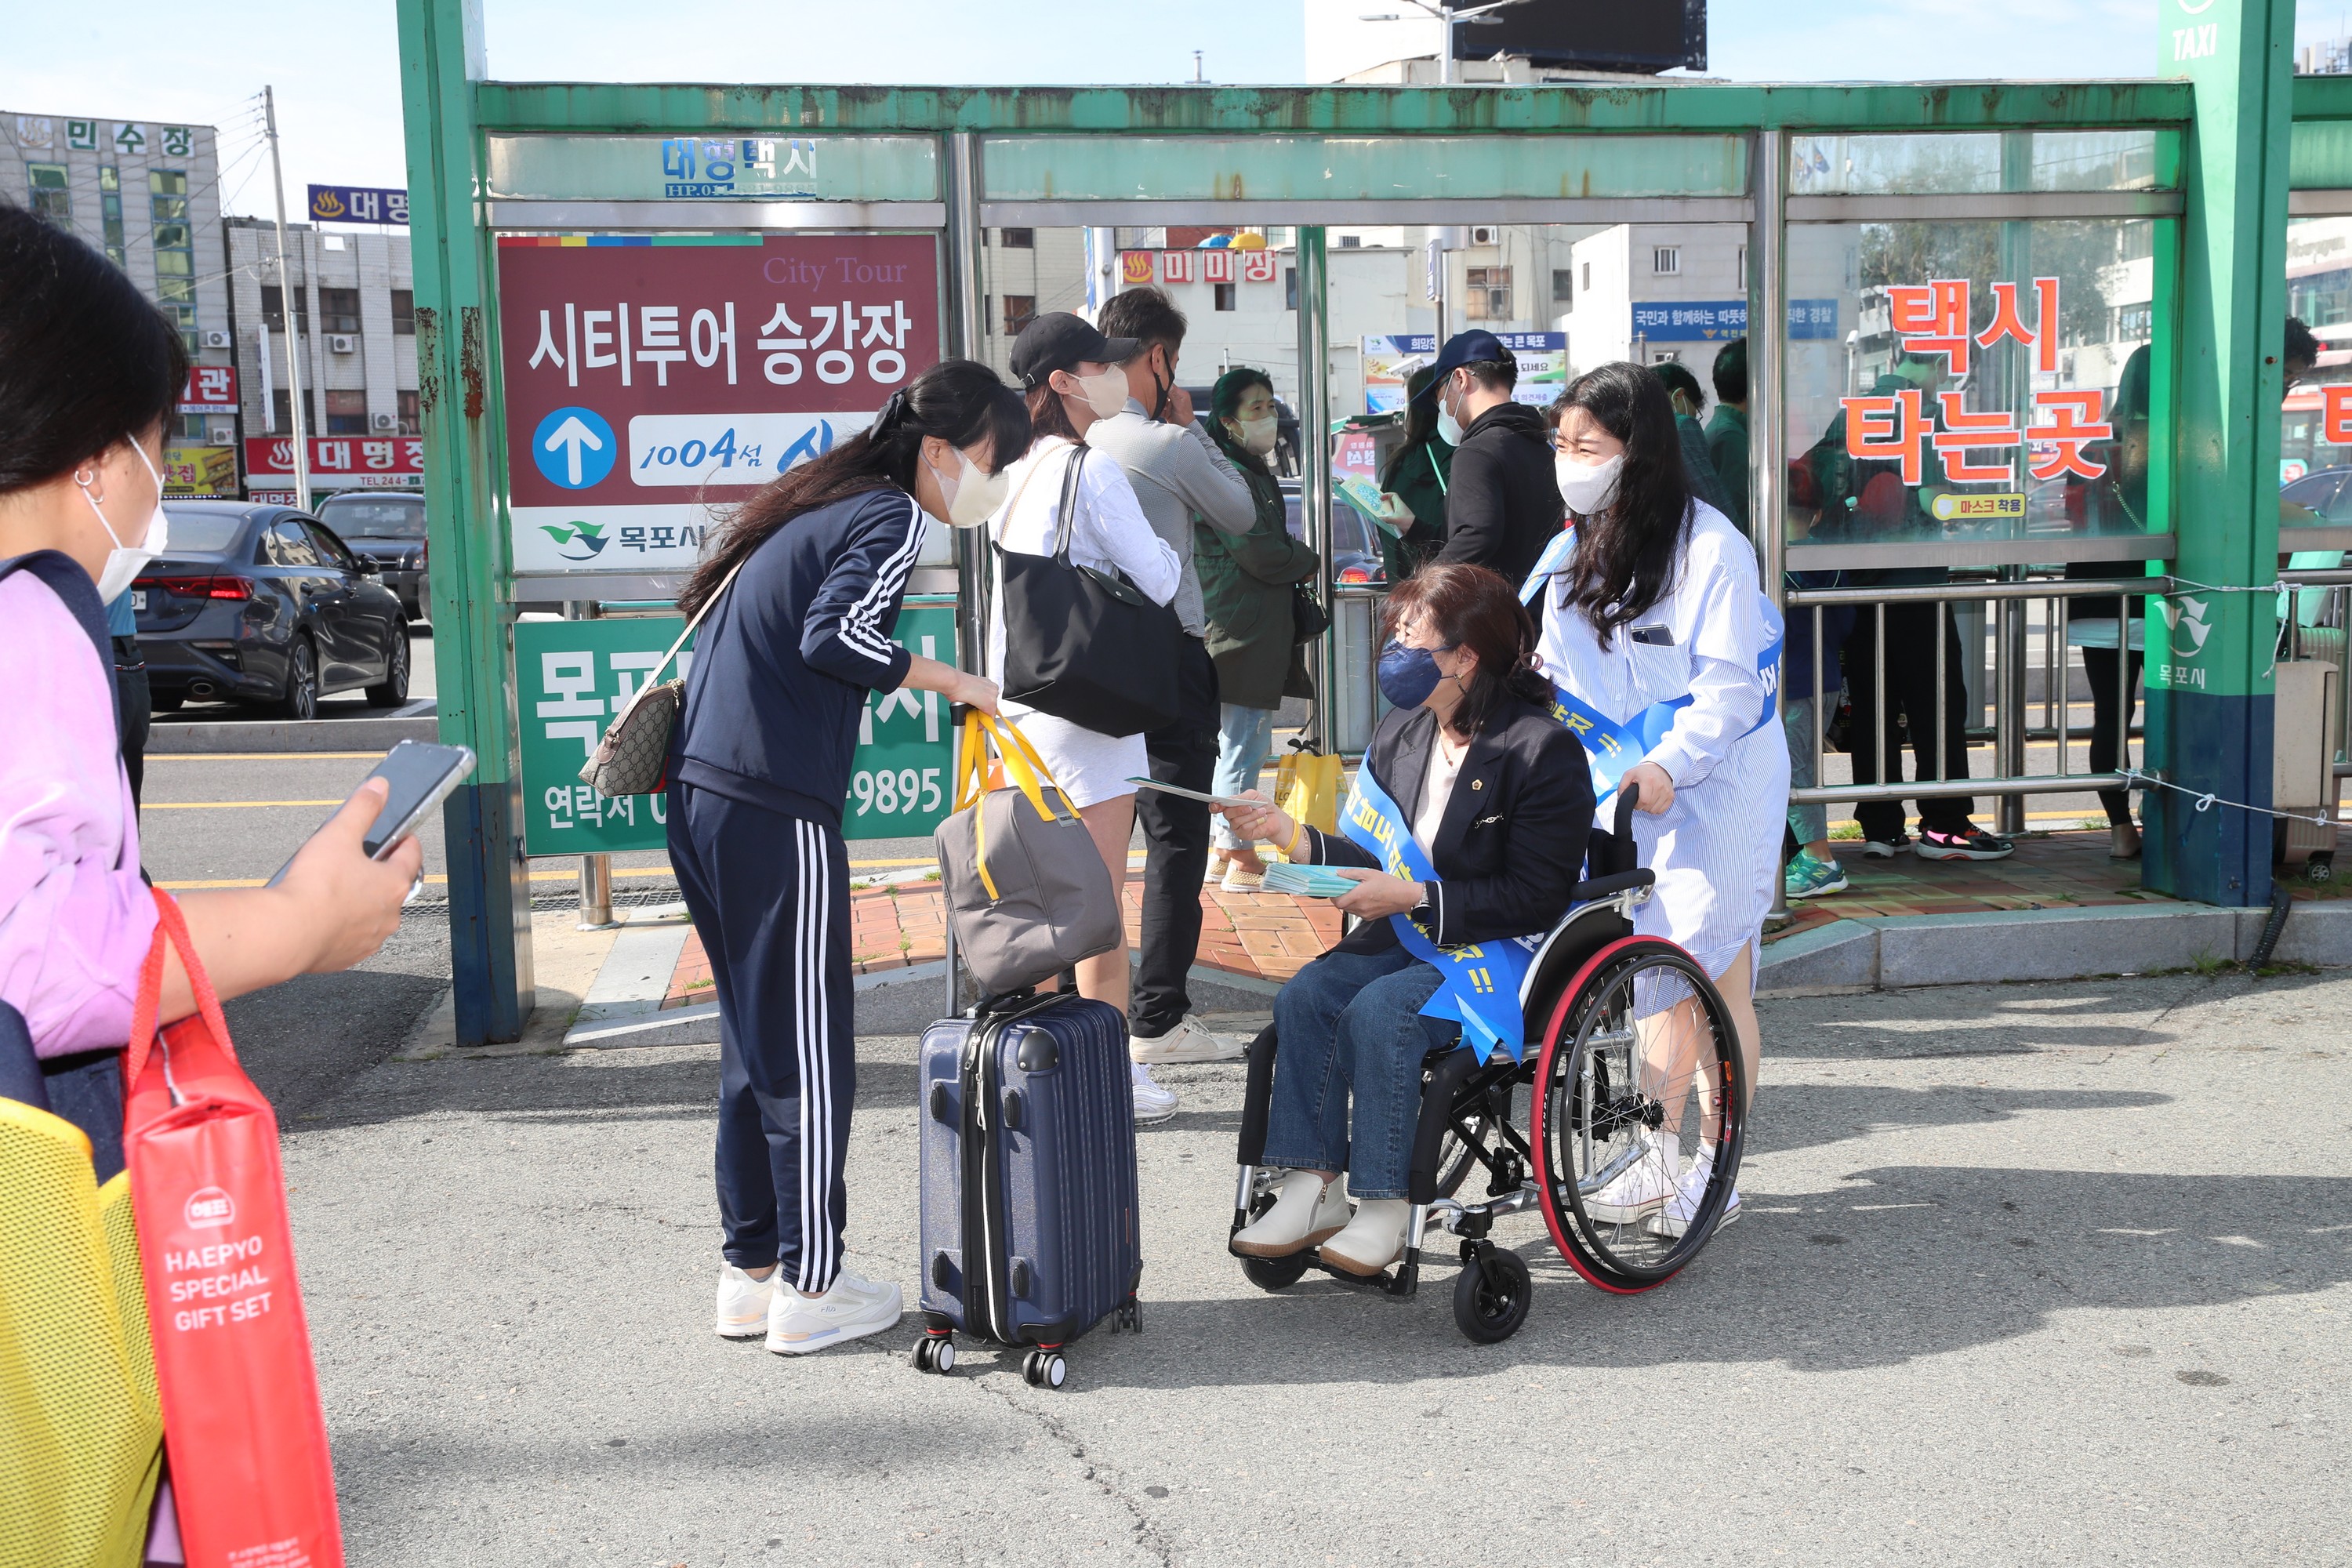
1105 392
1586 488
972 496
1449 428
124 563
1258 435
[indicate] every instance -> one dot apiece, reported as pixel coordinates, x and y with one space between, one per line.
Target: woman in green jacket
1245 588
1417 473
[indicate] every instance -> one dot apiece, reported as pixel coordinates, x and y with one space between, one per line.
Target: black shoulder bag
1083 645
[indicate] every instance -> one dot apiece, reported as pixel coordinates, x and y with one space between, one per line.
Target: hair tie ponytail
894 413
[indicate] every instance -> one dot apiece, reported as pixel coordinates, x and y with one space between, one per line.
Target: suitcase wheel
935 1353
1045 1369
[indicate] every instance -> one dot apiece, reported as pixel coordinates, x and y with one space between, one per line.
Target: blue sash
1616 747
1479 982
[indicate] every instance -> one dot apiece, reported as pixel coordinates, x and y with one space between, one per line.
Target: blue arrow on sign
574 447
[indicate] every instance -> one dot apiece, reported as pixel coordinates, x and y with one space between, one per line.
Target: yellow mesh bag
80 1432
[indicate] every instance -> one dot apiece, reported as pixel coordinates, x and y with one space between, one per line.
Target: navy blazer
1512 842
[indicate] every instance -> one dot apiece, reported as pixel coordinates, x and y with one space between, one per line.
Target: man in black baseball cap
1060 341
1502 504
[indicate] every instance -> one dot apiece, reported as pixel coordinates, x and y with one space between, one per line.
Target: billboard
338 459
1591 35
211 389
648 378
1390 358
195 471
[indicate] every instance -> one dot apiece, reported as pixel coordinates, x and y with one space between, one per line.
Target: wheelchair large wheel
1636 1118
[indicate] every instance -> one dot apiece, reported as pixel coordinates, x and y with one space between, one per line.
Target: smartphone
421 774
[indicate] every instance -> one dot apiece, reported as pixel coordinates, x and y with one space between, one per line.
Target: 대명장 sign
394 458
648 376
1390 358
571 677
1935 319
1714 321
358 204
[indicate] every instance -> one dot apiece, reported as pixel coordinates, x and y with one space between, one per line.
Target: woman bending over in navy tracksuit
757 776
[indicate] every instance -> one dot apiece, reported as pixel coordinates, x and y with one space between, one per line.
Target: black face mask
1160 405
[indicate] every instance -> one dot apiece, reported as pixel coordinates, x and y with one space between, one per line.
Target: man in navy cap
1502 504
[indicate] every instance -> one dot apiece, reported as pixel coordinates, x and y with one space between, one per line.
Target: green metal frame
1258 143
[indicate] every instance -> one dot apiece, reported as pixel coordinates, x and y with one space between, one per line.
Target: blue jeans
1244 735
1351 1022
1810 824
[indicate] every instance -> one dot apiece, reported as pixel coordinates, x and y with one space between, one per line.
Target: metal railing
2010 734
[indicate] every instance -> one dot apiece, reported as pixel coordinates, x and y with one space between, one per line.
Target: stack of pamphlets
1307 881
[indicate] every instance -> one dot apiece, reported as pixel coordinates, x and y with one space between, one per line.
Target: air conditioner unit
343 343
1484 234
217 340
384 421
221 436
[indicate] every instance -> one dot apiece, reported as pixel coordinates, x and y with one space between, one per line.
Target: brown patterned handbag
634 756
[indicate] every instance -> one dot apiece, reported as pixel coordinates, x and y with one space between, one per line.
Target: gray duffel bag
1027 893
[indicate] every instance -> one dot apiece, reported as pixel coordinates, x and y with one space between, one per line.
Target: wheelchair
1629 1046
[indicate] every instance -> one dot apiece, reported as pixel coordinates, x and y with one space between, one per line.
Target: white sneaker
1373 1239
1239 878
1189 1041
1153 1102
851 1309
1309 1212
1676 1216
743 1302
1637 1192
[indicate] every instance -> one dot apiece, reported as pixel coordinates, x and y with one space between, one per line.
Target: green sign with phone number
571 677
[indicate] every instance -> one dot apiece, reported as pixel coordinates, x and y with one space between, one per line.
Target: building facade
354 325
148 194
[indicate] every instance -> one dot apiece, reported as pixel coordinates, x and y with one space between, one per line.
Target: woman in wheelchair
1658 634
1495 795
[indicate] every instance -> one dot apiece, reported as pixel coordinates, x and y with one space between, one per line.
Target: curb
1880 953
413 721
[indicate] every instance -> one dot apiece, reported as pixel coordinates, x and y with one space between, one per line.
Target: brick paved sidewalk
1266 936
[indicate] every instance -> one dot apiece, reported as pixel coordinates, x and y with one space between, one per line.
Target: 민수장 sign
648 378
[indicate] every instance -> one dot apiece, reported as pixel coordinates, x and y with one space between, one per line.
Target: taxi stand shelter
2230 129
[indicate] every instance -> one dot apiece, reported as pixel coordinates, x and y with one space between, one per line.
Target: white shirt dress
1111 534
1717 850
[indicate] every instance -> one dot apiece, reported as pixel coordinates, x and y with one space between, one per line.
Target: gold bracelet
1298 831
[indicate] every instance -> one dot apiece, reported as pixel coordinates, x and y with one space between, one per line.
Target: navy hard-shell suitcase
1028 1180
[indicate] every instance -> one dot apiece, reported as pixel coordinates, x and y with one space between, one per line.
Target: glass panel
1970 381
758 168
2315 419
1337 168
1971 164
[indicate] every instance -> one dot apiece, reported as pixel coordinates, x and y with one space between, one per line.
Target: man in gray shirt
1178 475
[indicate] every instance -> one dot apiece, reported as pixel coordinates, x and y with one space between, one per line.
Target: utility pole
289 316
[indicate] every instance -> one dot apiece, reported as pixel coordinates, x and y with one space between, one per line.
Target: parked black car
262 604
385 529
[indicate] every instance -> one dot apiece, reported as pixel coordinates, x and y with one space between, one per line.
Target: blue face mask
1408 675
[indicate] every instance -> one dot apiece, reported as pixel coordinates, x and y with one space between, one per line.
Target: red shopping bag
242 1426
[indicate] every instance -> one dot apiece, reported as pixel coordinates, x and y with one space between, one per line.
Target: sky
334 65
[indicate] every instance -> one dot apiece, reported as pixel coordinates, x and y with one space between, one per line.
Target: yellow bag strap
1023 766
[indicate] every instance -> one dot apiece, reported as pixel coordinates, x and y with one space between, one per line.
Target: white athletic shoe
1189 1041
1309 1212
1676 1216
851 1309
1373 1239
1153 1102
1637 1192
743 1302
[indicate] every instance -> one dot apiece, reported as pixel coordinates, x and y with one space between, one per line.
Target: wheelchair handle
1628 797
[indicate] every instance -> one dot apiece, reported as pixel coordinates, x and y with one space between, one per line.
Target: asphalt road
2043 1274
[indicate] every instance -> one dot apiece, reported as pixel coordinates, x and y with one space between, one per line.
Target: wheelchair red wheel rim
1593 1259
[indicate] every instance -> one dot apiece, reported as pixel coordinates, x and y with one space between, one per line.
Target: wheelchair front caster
1043 1369
935 1353
1490 1295
1275 1273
